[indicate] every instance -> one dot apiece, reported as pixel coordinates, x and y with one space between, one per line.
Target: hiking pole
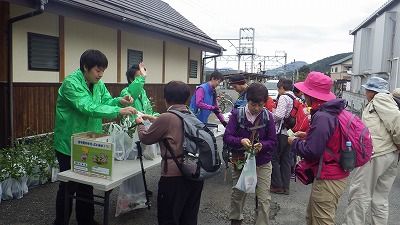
256 199
140 155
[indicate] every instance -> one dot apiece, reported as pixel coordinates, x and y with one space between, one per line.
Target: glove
224 123
216 110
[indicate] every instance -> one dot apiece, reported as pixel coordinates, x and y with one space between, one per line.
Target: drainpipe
215 65
397 71
38 11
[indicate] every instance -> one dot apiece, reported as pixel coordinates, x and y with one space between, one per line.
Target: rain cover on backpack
354 130
201 159
298 119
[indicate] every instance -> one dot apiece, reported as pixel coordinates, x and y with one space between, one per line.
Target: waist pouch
304 172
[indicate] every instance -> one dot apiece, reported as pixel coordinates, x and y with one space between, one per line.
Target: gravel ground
38 206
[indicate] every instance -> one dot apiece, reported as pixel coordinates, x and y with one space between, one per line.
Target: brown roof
154 15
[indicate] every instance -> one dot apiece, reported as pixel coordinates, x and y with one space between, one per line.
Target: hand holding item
149 117
246 142
257 147
139 120
127 111
127 99
216 110
300 134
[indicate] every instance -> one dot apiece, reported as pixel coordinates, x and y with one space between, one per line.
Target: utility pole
246 45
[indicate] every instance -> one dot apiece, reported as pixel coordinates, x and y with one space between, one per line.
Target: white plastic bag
150 151
54 172
24 184
123 142
131 195
7 193
248 178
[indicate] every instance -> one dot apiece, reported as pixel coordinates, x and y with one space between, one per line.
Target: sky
306 30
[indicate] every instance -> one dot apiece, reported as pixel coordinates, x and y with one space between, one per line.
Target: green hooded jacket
79 110
140 100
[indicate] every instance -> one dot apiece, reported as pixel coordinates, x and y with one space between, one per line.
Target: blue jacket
203 114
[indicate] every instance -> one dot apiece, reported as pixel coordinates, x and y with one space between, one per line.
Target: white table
122 171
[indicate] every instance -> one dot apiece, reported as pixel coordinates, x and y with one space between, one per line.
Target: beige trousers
262 191
323 201
370 185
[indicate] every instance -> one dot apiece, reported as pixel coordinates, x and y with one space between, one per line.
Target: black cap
237 79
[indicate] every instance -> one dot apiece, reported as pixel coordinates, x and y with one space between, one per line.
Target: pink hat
317 85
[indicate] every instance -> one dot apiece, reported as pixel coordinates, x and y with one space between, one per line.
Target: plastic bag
24 184
248 178
131 195
34 179
54 172
123 142
150 151
11 189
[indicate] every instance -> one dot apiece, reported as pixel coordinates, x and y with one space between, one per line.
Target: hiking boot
236 222
276 190
286 191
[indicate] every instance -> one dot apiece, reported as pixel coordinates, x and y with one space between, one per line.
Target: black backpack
201 159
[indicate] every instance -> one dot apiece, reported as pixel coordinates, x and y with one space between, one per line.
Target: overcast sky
307 30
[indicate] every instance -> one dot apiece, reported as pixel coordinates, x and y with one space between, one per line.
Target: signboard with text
92 155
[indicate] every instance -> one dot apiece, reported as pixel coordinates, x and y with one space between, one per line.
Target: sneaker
276 190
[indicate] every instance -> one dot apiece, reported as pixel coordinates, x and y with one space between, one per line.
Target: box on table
92 154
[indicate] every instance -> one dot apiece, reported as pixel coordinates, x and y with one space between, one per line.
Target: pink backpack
354 130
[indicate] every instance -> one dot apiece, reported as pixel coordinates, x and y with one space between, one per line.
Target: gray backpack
201 159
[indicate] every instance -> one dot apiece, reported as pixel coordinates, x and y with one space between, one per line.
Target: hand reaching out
127 99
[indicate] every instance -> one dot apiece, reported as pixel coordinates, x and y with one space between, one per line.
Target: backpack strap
241 115
166 144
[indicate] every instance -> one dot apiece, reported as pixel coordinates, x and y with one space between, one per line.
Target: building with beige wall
341 69
48 37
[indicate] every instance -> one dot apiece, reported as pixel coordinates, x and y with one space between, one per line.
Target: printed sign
90 156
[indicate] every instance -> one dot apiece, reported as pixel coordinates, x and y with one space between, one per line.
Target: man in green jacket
136 77
83 101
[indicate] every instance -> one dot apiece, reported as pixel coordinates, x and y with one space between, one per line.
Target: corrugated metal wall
383 42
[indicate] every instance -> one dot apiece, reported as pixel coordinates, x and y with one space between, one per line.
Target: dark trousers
178 200
281 164
84 211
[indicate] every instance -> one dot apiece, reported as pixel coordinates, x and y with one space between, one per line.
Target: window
134 57
193 69
335 69
43 52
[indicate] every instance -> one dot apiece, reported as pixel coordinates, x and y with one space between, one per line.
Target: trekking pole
256 199
140 155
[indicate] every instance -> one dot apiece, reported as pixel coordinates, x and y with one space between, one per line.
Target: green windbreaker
140 100
78 110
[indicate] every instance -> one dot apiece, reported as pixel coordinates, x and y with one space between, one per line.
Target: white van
272 88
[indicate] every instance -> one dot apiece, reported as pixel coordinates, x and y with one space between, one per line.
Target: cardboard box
92 154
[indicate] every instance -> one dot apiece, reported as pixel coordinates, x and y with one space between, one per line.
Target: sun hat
396 92
377 84
237 79
317 85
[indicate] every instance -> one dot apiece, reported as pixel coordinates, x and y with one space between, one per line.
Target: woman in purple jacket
238 138
331 180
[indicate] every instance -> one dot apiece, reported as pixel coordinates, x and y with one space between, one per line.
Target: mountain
322 65
285 70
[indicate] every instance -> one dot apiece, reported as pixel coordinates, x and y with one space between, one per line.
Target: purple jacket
324 132
234 134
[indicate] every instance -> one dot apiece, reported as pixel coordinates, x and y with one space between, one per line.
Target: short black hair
217 75
285 83
295 89
257 93
131 72
176 92
91 58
